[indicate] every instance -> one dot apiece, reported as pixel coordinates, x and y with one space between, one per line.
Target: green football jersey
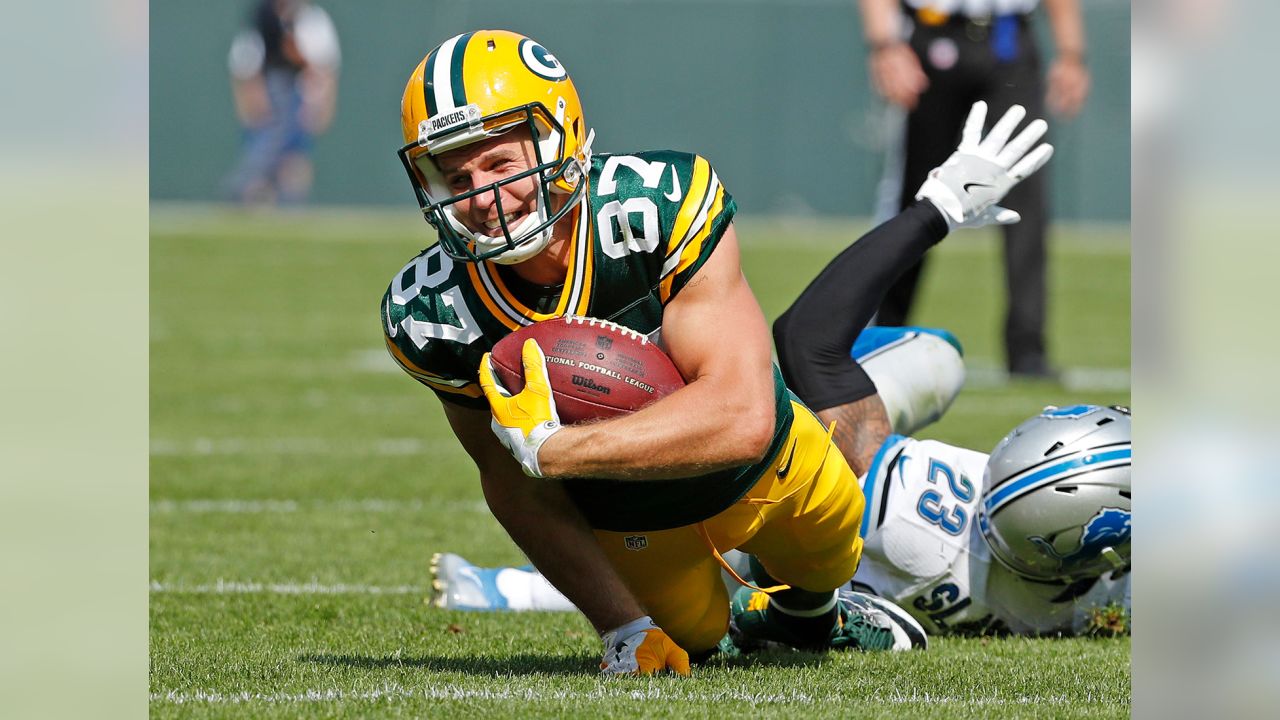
653 219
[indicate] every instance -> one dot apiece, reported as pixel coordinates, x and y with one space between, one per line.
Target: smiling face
485 163
469 87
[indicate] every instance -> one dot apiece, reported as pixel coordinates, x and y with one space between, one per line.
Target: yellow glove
525 420
641 648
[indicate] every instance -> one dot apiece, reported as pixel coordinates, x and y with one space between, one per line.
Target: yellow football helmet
477 85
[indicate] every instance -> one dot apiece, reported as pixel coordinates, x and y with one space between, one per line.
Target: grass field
300 482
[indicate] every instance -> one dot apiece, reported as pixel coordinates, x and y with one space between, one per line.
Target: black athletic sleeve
815 335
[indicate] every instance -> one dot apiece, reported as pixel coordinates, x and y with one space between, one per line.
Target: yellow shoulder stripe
692 205
459 387
472 391
693 248
488 298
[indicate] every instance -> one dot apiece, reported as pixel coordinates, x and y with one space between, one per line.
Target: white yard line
234 507
233 587
386 447
1084 379
375 360
979 373
931 699
238 506
983 375
536 694
176 220
447 692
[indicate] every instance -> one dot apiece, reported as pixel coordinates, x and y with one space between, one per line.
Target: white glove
641 648
523 421
981 172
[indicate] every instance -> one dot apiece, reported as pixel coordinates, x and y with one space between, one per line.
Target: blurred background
286 449
297 475
775 94
75 463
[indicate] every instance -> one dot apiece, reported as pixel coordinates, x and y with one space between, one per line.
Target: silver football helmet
1057 505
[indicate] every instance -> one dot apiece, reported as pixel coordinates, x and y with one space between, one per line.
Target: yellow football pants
802 526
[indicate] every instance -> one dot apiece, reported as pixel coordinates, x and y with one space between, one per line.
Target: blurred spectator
284 77
931 60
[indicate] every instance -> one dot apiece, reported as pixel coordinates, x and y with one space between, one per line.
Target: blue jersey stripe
868 489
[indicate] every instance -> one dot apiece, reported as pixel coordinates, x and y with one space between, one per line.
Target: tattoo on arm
861 428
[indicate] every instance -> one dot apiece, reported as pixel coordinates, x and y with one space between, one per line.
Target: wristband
623 632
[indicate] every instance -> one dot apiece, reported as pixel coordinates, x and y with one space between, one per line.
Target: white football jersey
923 550
976 8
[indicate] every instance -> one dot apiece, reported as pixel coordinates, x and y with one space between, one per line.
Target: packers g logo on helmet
478 85
540 62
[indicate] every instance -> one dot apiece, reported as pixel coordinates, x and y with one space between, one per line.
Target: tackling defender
628 517
1027 540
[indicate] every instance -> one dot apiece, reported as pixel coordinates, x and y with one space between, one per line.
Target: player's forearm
881 22
711 424
543 522
1067 24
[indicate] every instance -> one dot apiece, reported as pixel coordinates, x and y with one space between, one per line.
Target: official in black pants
946 62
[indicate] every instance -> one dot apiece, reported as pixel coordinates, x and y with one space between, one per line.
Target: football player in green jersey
627 517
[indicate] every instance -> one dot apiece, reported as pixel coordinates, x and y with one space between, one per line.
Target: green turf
299 483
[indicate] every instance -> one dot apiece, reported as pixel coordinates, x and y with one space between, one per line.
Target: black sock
800 603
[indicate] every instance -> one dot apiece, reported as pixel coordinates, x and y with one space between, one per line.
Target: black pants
932 133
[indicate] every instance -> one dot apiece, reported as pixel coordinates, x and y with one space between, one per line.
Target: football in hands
598 369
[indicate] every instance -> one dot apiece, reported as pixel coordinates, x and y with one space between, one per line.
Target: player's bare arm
544 523
861 427
723 418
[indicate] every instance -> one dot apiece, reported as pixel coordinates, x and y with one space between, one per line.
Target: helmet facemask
555 174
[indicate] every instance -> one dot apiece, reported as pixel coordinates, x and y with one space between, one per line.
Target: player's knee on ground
676 578
695 620
917 371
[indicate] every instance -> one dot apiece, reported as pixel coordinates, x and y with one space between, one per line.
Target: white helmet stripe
442 90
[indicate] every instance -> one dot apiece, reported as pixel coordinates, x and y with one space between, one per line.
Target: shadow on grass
530 664
524 664
767 658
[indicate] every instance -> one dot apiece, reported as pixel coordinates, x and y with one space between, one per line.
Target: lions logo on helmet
479 85
1058 503
1109 528
1071 412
